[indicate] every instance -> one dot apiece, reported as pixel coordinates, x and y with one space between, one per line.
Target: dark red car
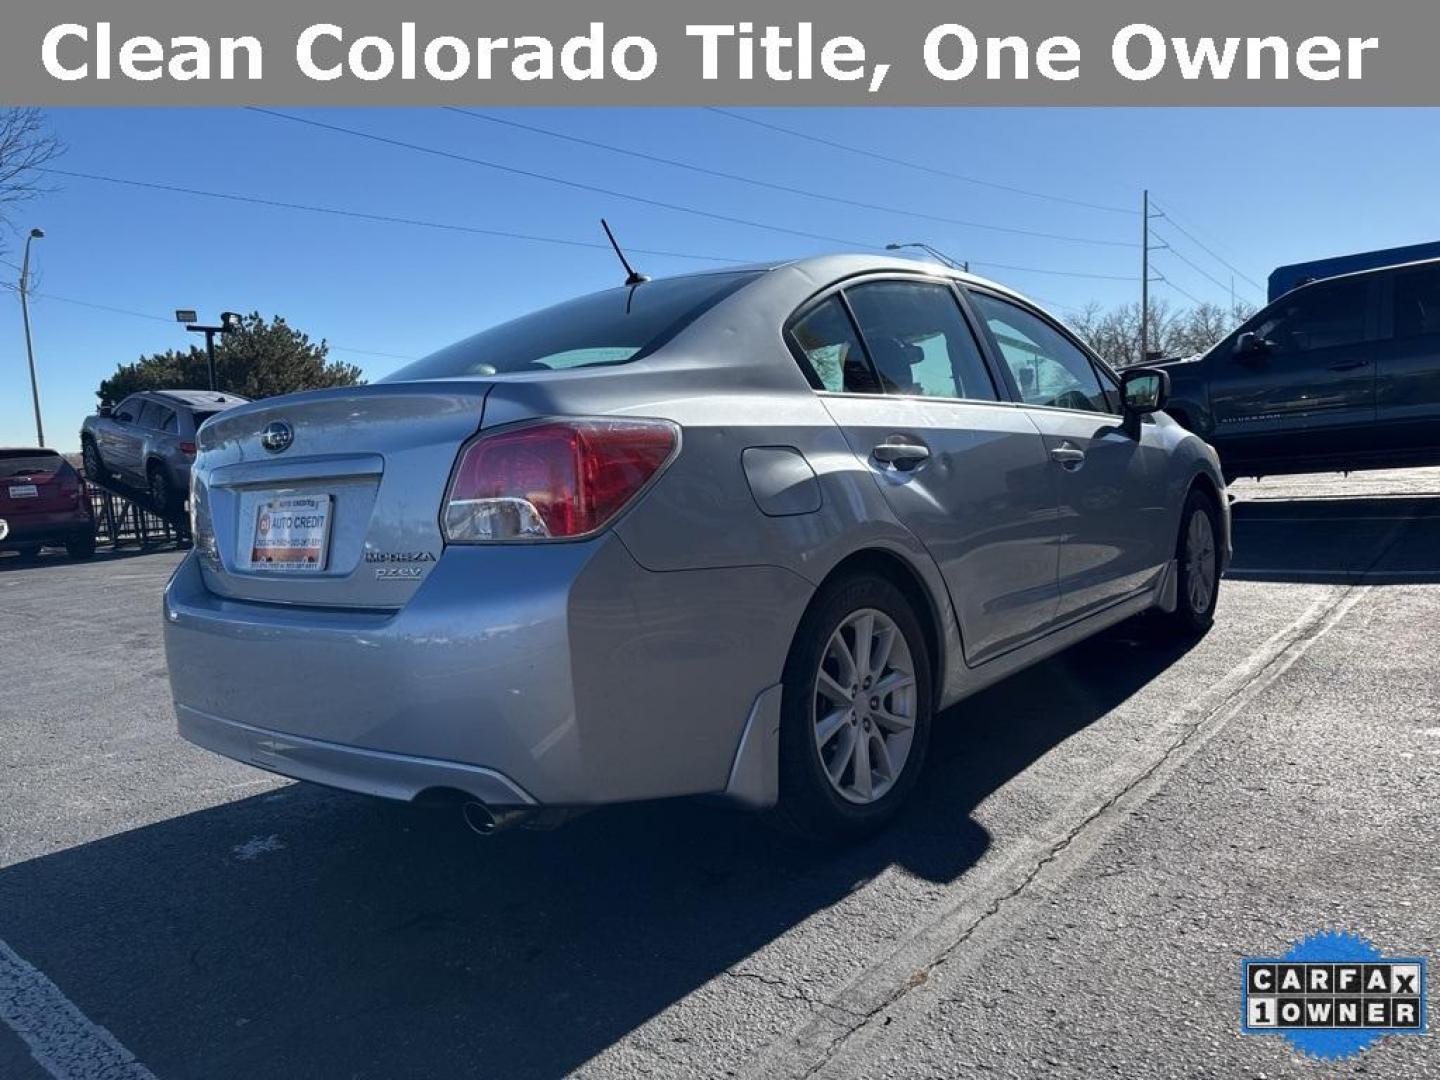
43 501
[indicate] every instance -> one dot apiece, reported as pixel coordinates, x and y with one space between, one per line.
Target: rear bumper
50 527
369 772
560 674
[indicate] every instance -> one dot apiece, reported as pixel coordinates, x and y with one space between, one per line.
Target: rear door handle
902 455
1350 365
1068 456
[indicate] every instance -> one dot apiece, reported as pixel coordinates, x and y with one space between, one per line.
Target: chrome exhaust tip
483 821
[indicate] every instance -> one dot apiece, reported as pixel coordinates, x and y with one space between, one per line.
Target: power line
1211 252
160 318
843 241
786 188
1053 273
576 184
383 218
1188 295
890 159
1193 266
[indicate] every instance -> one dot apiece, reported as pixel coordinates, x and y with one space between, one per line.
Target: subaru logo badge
277 436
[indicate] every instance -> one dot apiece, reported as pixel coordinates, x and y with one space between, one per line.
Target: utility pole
35 234
1145 276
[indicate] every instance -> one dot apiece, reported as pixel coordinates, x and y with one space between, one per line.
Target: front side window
151 415
831 352
919 340
1048 368
1417 303
1319 317
611 327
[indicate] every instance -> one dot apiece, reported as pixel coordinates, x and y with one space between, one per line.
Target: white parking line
61 1038
1358 577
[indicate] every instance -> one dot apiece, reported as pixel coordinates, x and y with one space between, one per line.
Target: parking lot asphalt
1094 846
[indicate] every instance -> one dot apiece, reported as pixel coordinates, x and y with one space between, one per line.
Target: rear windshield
201 417
22 462
611 327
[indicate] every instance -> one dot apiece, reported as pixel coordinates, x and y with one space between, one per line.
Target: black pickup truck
1336 375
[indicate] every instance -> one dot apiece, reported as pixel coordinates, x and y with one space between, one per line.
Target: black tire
809 804
94 464
80 547
161 491
1192 619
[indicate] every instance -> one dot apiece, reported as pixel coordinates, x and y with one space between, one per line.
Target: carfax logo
1332 995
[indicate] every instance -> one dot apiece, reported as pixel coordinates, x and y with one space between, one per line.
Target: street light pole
230 322
35 234
934 253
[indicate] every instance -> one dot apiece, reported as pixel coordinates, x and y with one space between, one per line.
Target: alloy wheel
864 706
1200 562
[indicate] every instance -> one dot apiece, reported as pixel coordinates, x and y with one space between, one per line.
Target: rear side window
831 352
170 423
1048 368
611 327
919 340
1417 303
1318 317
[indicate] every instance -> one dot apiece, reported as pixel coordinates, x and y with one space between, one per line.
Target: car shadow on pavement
312 933
1377 540
12 561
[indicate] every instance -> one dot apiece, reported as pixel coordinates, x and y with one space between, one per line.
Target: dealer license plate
291 533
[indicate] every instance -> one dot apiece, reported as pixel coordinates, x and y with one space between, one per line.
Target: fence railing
125 517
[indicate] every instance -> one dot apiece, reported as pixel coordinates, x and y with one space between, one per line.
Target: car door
1407 362
902 373
121 436
150 435
1306 388
1109 482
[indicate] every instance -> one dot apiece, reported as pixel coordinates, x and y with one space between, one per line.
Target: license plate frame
24 491
281 535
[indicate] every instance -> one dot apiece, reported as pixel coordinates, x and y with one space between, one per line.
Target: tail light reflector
188 449
553 480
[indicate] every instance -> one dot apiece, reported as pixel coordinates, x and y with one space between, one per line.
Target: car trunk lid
330 498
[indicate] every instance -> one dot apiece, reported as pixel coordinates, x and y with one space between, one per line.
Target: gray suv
148 440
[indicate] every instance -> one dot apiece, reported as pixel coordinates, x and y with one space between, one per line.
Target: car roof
830 268
199 399
1369 271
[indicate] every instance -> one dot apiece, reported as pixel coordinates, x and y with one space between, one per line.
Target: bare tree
1115 333
26 147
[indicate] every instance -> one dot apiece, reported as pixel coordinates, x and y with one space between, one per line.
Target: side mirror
1144 390
1251 346
107 410
123 417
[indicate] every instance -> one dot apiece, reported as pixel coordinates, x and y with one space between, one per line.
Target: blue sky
1258 187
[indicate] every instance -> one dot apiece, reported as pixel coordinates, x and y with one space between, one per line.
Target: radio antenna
635 277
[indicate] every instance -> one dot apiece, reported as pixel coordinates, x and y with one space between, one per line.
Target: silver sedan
739 533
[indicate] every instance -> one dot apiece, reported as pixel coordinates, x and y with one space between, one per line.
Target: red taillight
552 480
188 449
